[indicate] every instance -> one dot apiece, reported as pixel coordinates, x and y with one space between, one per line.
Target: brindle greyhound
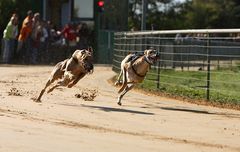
134 71
70 71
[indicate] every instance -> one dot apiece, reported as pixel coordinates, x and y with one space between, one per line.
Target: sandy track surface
145 123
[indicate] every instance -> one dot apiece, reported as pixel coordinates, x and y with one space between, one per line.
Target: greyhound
70 71
134 70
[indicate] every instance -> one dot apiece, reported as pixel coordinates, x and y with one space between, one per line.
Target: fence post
208 66
159 65
158 74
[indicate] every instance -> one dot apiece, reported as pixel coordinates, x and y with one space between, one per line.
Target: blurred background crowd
30 44
62 25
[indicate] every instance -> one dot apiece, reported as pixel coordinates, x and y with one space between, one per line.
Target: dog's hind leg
68 77
126 89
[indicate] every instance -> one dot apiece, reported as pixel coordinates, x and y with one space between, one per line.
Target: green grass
224 84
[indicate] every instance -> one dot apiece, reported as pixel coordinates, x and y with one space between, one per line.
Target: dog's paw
70 85
119 103
117 83
36 99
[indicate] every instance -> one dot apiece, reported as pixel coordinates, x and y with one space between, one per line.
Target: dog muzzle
88 67
152 59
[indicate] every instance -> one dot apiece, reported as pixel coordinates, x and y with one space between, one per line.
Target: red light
100 3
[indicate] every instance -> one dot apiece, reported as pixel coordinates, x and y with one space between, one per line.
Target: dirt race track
145 123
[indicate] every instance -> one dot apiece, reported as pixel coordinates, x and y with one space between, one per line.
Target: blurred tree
161 14
8 7
212 14
170 14
115 15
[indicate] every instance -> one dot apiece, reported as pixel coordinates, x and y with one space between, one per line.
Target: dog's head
84 57
151 55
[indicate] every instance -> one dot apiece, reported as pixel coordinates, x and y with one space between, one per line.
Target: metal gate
105 47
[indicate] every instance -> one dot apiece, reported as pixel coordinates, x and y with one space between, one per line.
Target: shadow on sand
229 115
110 109
188 110
120 109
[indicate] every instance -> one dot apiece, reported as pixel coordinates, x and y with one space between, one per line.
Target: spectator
43 42
69 34
24 38
53 35
69 39
35 25
35 37
178 38
25 30
83 34
9 35
51 31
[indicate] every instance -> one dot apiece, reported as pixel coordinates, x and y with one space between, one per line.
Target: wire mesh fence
202 64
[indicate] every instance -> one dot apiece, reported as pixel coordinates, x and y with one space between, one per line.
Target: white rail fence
194 63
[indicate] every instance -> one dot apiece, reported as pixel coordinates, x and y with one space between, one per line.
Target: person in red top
69 34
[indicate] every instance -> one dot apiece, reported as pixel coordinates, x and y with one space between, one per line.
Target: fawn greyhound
134 70
70 71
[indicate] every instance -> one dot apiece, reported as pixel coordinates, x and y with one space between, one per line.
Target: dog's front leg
43 90
75 81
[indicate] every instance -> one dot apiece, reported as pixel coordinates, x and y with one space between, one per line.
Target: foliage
191 14
8 7
114 16
212 14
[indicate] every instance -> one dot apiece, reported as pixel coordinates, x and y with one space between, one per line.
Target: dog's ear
145 52
78 55
75 54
